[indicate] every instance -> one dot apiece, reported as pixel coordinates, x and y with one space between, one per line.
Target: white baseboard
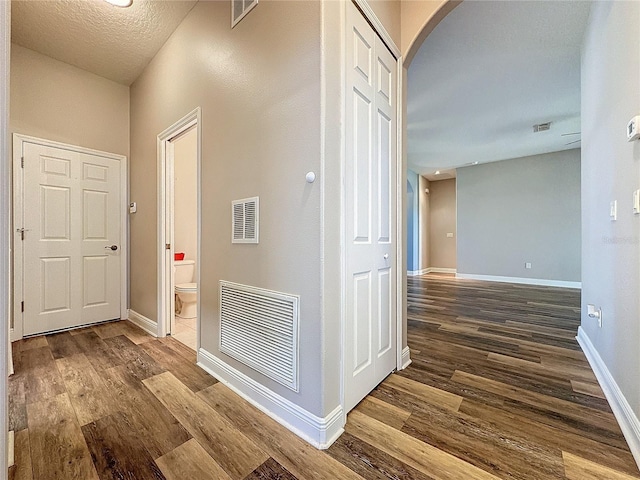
11 456
319 432
14 335
406 357
144 323
441 270
623 412
10 359
415 273
424 271
526 281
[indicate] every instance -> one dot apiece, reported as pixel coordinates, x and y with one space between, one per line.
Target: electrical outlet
595 312
633 129
636 202
527 265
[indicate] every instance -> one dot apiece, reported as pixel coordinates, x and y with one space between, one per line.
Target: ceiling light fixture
437 172
120 3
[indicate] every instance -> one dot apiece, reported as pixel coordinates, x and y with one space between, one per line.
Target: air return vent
240 8
244 220
260 329
541 127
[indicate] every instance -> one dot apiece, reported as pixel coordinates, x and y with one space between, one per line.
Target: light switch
527 265
449 235
613 210
636 202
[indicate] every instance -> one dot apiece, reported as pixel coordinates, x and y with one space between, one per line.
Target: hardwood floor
498 389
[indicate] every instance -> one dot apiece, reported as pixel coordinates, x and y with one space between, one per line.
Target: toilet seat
186 287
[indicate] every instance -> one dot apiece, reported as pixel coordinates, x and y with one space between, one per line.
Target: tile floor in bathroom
185 331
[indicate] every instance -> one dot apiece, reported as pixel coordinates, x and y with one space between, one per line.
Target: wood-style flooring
498 389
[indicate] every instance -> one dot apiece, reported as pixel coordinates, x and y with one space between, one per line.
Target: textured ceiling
490 71
115 43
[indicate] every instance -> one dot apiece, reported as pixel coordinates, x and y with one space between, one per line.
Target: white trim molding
143 322
406 357
424 271
11 450
369 14
166 298
623 412
441 270
401 181
525 281
319 432
417 273
5 224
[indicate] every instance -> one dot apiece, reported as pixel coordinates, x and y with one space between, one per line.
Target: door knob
386 255
112 247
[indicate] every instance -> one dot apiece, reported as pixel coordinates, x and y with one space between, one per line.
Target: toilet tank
183 271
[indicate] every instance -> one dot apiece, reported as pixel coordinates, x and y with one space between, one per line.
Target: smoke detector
541 127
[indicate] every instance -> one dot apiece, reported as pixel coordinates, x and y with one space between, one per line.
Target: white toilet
186 289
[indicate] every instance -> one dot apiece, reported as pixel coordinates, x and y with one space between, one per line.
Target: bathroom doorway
179 233
185 237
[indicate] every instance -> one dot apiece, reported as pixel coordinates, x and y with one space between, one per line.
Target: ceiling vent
245 220
541 127
239 9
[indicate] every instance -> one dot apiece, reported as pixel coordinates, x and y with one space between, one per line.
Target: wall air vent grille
239 10
245 220
541 127
259 328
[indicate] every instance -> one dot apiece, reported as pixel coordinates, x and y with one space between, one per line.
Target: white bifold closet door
370 202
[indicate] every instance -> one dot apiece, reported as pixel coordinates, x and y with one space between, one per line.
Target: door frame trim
165 218
5 226
19 140
403 356
378 27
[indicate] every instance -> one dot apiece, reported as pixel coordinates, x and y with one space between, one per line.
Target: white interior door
71 246
370 201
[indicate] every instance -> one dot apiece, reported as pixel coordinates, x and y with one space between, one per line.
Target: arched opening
478 316
420 19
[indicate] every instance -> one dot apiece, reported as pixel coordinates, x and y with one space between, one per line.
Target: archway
434 17
419 18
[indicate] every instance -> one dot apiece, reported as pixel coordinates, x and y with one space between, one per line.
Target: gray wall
255 95
418 212
442 220
56 101
521 210
610 171
424 215
185 195
412 221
